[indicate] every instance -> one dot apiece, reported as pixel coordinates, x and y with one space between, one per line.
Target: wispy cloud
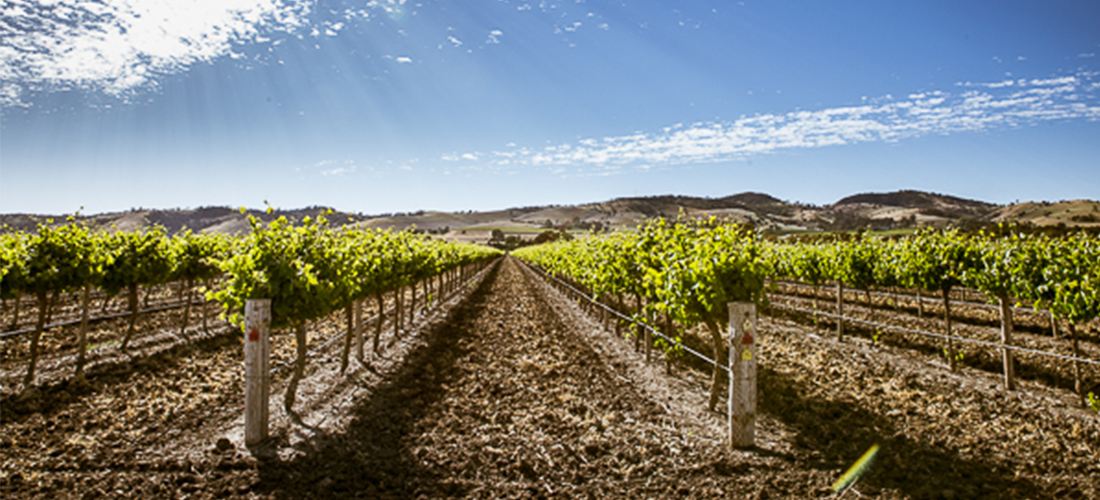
330 168
974 107
338 171
395 9
116 46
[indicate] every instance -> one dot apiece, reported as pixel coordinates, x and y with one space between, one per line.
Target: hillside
204 219
1075 213
897 210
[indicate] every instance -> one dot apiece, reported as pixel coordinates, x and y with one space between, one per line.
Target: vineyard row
685 273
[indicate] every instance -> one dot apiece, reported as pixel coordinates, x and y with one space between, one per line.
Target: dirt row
976 311
160 331
943 434
67 306
168 421
1050 371
516 393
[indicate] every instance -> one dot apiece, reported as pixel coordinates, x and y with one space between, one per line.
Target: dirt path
515 393
507 400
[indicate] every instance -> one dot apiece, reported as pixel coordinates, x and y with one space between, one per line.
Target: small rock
527 470
223 445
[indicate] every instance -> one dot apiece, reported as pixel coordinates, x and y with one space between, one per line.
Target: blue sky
384 106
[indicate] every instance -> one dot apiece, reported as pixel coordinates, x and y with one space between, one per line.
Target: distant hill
205 219
922 201
880 211
1075 213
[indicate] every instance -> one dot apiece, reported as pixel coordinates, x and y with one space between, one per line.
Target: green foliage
1073 277
311 270
13 264
136 258
852 263
937 260
54 260
687 269
196 257
279 261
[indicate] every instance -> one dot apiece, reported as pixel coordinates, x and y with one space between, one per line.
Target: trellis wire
931 299
938 335
94 319
831 315
315 350
632 320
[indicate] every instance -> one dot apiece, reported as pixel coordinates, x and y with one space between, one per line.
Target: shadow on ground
837 433
376 456
59 394
1048 371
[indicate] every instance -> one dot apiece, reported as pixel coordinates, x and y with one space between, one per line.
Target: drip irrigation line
631 320
939 335
313 352
177 305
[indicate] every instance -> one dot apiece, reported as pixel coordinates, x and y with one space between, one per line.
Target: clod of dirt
223 445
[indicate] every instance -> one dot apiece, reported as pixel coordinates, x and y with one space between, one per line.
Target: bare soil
969 320
515 393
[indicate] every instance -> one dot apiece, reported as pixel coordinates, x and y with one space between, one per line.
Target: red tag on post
253 336
747 339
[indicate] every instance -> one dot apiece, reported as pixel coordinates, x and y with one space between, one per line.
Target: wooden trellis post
257 354
839 310
743 339
1006 339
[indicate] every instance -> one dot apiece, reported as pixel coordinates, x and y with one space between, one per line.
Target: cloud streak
974 107
117 46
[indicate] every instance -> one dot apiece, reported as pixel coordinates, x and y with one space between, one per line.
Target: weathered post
1006 340
648 338
743 339
839 310
257 353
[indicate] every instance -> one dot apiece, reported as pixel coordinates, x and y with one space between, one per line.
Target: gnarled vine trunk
15 315
359 335
1077 388
380 299
398 312
187 308
349 315
721 358
300 340
82 334
43 306
132 298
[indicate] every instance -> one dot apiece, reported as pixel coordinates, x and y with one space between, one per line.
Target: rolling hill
897 210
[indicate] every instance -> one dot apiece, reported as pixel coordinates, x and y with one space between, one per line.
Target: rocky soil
515 393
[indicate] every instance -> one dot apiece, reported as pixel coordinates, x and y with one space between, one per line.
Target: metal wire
313 352
1030 310
938 335
632 320
24 331
826 314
